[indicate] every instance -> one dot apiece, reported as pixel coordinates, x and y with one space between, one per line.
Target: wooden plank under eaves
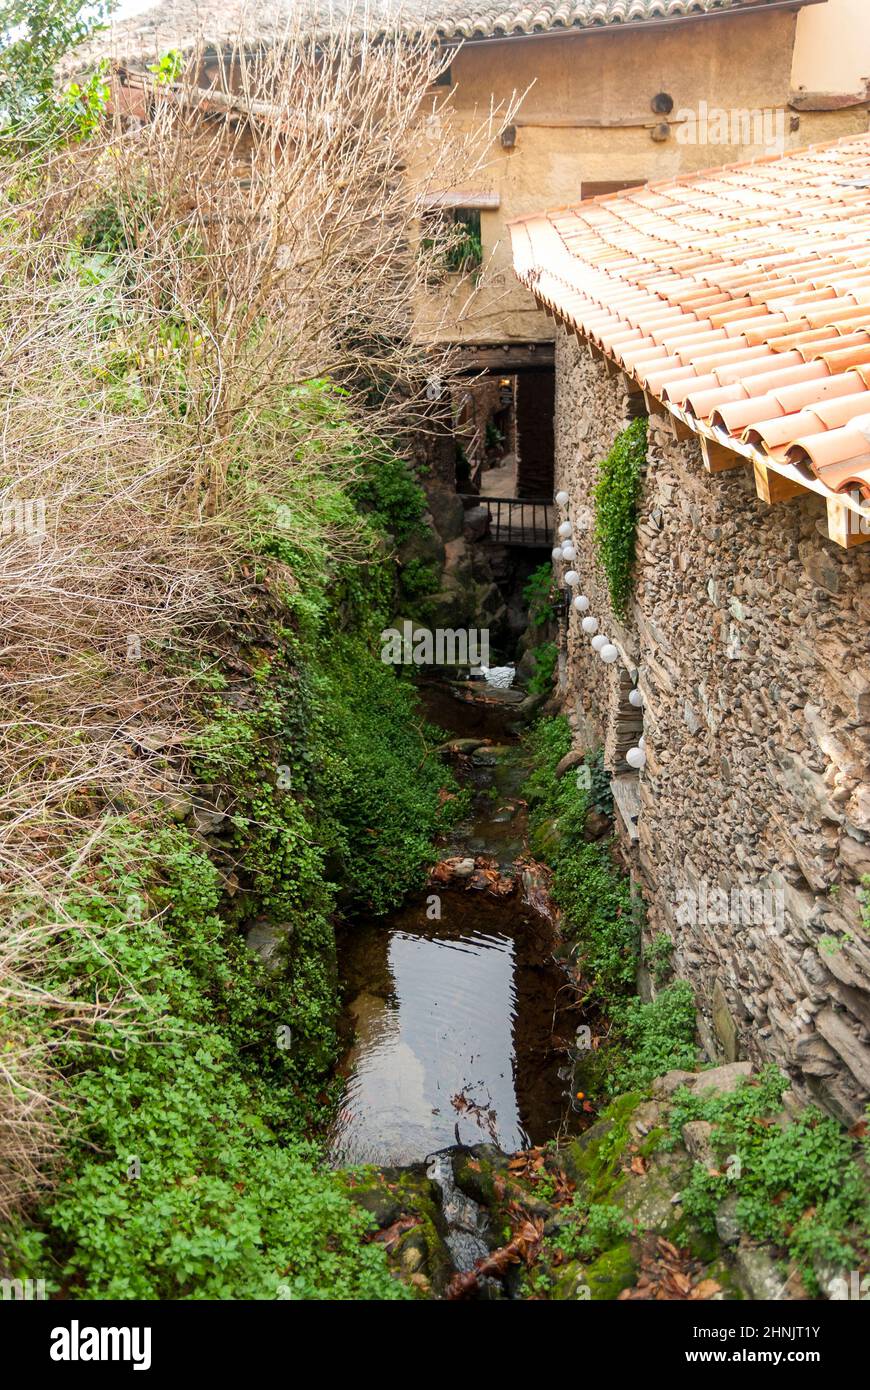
845 526
653 405
632 387
772 487
679 429
718 459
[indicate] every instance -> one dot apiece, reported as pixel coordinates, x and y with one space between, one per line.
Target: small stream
455 1010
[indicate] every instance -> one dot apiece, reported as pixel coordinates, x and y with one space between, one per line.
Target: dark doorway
535 403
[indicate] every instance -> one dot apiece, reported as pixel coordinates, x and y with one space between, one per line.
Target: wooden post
680 429
717 459
773 487
846 527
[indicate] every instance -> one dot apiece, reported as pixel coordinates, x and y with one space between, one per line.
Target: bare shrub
165 285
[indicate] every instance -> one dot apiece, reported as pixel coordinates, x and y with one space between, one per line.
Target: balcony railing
517 520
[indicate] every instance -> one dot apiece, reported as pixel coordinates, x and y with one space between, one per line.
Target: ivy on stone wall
616 496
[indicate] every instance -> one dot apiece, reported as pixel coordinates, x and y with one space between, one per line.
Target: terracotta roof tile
183 24
739 297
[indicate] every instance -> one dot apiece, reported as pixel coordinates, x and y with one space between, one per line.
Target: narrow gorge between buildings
457 1013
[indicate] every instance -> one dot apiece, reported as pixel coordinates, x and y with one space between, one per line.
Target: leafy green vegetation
194 1170
540 596
386 488
616 496
188 1176
798 1184
546 657
601 917
418 578
658 1036
34 36
658 958
465 249
587 1231
593 893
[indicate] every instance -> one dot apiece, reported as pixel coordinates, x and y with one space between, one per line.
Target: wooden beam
717 459
653 405
631 386
505 358
845 527
459 198
679 428
773 487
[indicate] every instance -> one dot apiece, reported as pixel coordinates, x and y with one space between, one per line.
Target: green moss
723 1273
651 1142
594 1160
477 1181
613 1271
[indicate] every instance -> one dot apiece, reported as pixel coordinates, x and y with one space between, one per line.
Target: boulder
423 544
447 510
723 1023
268 940
569 762
759 1274
698 1139
596 825
720 1079
727 1225
476 523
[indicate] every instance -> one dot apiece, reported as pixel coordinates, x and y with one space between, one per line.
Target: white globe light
565 530
635 698
635 757
598 642
572 578
609 653
562 498
589 625
568 552
641 743
557 552
581 603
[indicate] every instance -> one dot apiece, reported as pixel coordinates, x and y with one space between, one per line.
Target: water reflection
435 1008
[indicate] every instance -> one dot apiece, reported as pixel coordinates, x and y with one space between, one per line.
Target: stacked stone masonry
748 637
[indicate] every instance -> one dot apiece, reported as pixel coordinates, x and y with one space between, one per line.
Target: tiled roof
183 23
501 18
739 298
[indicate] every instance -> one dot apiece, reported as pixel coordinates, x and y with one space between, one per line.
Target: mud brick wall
749 637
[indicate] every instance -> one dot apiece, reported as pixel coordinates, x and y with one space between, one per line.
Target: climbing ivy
616 496
539 593
546 656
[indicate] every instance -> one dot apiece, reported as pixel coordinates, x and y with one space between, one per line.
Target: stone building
611 93
732 309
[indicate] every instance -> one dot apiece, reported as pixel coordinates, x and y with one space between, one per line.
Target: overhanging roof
219 24
738 300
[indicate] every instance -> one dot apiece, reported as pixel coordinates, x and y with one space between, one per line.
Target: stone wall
748 637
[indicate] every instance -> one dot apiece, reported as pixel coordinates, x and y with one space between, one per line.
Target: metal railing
517 520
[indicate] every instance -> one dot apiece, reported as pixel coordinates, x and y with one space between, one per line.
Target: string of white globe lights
566 550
